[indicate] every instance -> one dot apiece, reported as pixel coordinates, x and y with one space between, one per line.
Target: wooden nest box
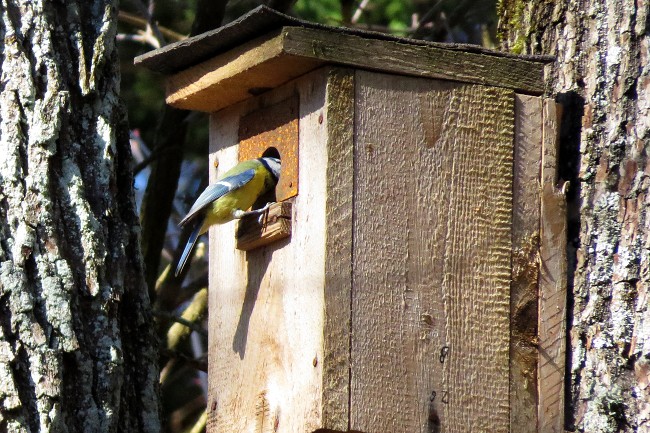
417 283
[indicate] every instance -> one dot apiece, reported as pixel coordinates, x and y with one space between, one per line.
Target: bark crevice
80 360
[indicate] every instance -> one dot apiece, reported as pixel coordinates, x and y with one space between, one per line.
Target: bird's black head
273 165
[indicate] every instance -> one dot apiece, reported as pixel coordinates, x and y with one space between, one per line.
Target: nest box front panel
432 241
266 304
274 128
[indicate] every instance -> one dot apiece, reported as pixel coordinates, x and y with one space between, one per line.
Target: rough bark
76 346
602 77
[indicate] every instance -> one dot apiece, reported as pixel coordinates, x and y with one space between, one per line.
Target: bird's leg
238 214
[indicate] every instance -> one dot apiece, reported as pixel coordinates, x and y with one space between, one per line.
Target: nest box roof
264 49
262 20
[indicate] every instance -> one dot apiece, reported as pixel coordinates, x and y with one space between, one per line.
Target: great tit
228 198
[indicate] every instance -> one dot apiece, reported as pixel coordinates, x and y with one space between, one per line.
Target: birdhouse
411 277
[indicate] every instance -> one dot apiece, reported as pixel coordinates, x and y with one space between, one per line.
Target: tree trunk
602 77
77 351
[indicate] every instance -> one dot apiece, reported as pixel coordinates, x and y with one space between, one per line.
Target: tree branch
359 11
141 23
147 12
191 325
165 171
200 424
161 189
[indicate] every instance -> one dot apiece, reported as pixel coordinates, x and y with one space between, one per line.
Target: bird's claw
262 212
238 214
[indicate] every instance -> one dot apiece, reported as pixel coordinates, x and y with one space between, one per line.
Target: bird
229 197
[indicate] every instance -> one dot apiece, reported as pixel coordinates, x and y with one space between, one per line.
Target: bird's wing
189 246
214 191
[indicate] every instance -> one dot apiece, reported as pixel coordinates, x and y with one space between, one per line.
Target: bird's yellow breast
242 198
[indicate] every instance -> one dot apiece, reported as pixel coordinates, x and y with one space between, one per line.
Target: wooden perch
275 225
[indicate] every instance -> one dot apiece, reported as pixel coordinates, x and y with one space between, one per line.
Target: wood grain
237 75
432 245
552 283
525 264
338 259
417 60
271 60
275 226
267 305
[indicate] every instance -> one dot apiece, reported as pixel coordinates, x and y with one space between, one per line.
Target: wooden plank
432 246
423 61
338 260
525 264
180 55
552 282
275 226
266 305
274 59
236 75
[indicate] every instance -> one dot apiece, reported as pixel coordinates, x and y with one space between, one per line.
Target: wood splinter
274 226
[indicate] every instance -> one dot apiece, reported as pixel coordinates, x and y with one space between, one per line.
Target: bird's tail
189 246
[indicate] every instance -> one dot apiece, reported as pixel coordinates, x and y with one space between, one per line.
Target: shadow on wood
258 262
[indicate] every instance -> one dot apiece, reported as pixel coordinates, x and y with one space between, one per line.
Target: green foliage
320 11
144 93
177 15
391 14
513 11
447 20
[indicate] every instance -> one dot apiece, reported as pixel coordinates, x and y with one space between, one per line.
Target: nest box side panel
338 262
267 304
432 246
552 279
525 264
